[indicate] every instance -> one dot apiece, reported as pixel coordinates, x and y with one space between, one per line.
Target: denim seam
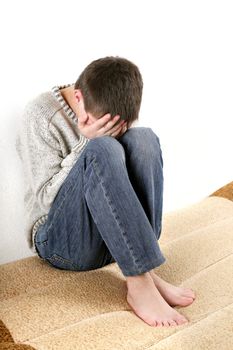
56 257
72 187
95 164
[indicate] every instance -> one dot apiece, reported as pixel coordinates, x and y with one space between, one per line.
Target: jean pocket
61 263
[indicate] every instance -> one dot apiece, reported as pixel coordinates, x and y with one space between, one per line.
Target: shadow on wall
13 238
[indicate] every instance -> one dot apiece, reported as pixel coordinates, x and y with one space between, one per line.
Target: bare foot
147 302
175 296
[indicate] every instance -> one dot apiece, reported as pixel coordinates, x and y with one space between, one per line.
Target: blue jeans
109 207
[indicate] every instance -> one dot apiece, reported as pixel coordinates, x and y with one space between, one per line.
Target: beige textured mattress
48 308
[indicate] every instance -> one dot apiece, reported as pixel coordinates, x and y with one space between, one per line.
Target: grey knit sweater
48 144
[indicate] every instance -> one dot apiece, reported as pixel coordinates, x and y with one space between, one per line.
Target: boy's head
111 85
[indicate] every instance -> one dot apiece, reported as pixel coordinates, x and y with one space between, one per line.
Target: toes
159 324
189 299
169 323
184 320
189 293
185 301
152 323
193 295
181 321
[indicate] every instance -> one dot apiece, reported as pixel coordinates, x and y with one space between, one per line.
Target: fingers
115 132
118 127
119 132
107 123
106 120
82 121
108 126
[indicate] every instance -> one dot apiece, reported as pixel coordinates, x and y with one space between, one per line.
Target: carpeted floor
46 308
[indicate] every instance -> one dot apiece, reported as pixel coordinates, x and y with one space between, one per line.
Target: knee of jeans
145 141
106 145
143 132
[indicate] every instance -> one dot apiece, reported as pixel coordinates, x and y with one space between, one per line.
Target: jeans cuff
146 268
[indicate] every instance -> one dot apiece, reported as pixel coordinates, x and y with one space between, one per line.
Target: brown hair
111 85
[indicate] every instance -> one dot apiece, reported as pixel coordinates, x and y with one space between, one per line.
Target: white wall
184 52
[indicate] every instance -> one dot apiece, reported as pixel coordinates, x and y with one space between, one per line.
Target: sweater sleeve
45 168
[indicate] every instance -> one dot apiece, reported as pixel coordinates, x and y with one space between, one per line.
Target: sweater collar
57 94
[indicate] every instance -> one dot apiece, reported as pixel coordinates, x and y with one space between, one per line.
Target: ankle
132 281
